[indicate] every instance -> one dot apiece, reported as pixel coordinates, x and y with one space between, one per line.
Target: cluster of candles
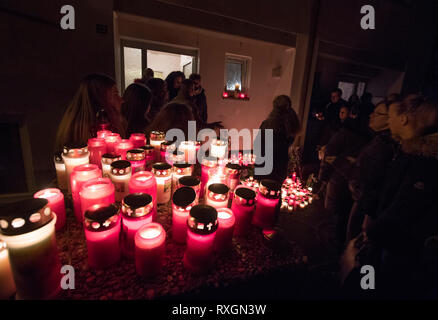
116 185
294 195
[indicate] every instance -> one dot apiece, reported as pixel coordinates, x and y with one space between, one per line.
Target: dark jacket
200 101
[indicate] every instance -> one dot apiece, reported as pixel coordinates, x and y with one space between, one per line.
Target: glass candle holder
56 203
189 150
192 182
206 164
243 207
218 148
111 140
268 198
122 147
180 170
144 182
250 182
7 285
165 148
102 233
232 171
28 228
156 138
73 157
201 232
137 159
163 176
175 156
137 210
61 175
97 148
101 134
148 157
79 176
120 175
182 202
150 249
107 159
217 195
217 175
96 191
138 139
224 234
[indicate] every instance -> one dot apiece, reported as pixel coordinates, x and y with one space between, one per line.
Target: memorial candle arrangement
107 159
138 139
224 233
250 182
103 133
7 285
189 150
268 199
163 176
61 174
294 195
180 170
73 157
217 195
122 147
137 159
144 182
201 232
192 182
156 138
112 139
150 249
148 156
182 202
28 228
79 176
232 172
166 148
217 175
243 207
137 210
206 164
56 203
97 148
102 233
120 175
96 191
218 148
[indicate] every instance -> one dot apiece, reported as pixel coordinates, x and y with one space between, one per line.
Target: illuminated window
237 72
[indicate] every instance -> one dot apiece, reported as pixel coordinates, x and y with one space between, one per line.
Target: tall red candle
243 207
224 234
102 232
268 198
56 203
138 139
96 191
111 140
182 202
97 148
137 159
144 182
150 249
122 147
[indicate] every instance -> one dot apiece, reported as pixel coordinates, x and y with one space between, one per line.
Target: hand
321 152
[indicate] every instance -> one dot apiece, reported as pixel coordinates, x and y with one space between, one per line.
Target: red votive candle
166 148
243 208
96 191
137 210
224 234
217 195
217 175
107 159
148 157
102 232
137 159
97 148
156 138
122 147
144 182
206 165
192 182
79 176
268 198
56 203
74 156
150 249
111 140
103 133
180 170
201 232
120 175
138 139
163 176
182 202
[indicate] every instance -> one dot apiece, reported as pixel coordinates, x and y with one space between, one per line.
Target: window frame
246 71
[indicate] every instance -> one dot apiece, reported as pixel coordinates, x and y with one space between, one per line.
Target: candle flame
150 233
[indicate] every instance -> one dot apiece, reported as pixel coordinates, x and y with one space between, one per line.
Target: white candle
218 148
107 159
61 175
74 157
163 176
7 285
189 150
120 175
180 170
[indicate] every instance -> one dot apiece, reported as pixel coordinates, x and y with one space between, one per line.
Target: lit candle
217 195
74 157
122 147
150 249
218 148
103 133
28 228
183 200
201 231
243 208
137 159
144 182
79 176
61 175
138 139
166 148
156 138
107 159
120 175
180 170
175 156
7 285
268 198
56 203
111 140
217 175
97 148
197 148
96 191
163 176
224 234
102 233
137 210
189 150
148 156
233 173
206 164
192 182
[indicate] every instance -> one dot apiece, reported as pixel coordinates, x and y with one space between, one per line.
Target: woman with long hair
135 108
97 94
160 96
174 81
185 96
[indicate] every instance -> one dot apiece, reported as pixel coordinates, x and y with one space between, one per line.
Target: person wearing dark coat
174 81
199 97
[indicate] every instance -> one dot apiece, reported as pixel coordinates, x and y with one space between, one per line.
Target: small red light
225 95
242 96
